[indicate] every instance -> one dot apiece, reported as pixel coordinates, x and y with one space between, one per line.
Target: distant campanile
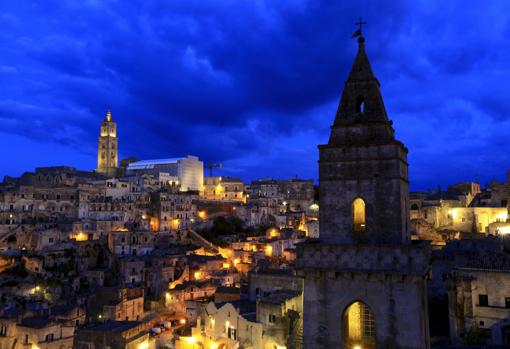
107 148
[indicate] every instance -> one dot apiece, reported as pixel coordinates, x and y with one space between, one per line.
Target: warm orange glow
190 339
183 321
304 228
226 265
504 230
198 275
273 233
358 215
201 214
359 326
80 236
143 345
237 261
154 224
269 250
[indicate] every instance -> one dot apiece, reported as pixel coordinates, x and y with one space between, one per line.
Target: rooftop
229 290
192 283
444 195
245 307
149 164
114 326
195 258
35 321
490 262
280 296
283 272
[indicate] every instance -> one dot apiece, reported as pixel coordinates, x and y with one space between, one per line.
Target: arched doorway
358 215
359 327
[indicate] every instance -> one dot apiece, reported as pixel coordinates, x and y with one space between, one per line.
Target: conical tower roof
361 107
361 69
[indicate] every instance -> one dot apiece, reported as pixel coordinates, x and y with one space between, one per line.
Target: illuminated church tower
107 148
364 280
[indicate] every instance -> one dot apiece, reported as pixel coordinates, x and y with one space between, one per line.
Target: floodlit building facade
187 171
227 326
223 188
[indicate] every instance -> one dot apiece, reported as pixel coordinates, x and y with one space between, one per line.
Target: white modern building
189 170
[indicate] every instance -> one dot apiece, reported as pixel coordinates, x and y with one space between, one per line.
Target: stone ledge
410 259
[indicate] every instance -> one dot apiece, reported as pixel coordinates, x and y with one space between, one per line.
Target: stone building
364 282
128 306
479 300
114 334
172 210
293 194
107 147
223 188
280 312
225 325
35 332
123 242
265 282
116 303
187 172
132 269
258 211
457 209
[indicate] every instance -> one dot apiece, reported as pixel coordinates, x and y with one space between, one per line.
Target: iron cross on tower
360 23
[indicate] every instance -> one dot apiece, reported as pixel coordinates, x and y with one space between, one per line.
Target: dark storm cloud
253 83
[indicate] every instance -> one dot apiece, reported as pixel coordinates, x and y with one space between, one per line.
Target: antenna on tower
212 166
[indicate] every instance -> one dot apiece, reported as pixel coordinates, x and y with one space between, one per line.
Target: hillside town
160 253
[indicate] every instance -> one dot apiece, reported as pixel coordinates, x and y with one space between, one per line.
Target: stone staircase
295 340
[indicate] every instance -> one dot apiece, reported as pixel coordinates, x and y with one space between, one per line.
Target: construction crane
212 166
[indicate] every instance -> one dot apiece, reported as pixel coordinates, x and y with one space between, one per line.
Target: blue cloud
252 84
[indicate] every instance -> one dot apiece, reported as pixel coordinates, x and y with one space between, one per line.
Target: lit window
359 326
358 215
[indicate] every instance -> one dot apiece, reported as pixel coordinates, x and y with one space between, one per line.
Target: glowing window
358 215
359 326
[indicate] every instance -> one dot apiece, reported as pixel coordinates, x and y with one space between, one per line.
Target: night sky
253 84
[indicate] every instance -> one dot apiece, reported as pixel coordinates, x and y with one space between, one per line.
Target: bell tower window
358 215
360 104
359 327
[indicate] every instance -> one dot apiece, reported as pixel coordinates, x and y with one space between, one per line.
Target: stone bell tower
107 149
365 282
